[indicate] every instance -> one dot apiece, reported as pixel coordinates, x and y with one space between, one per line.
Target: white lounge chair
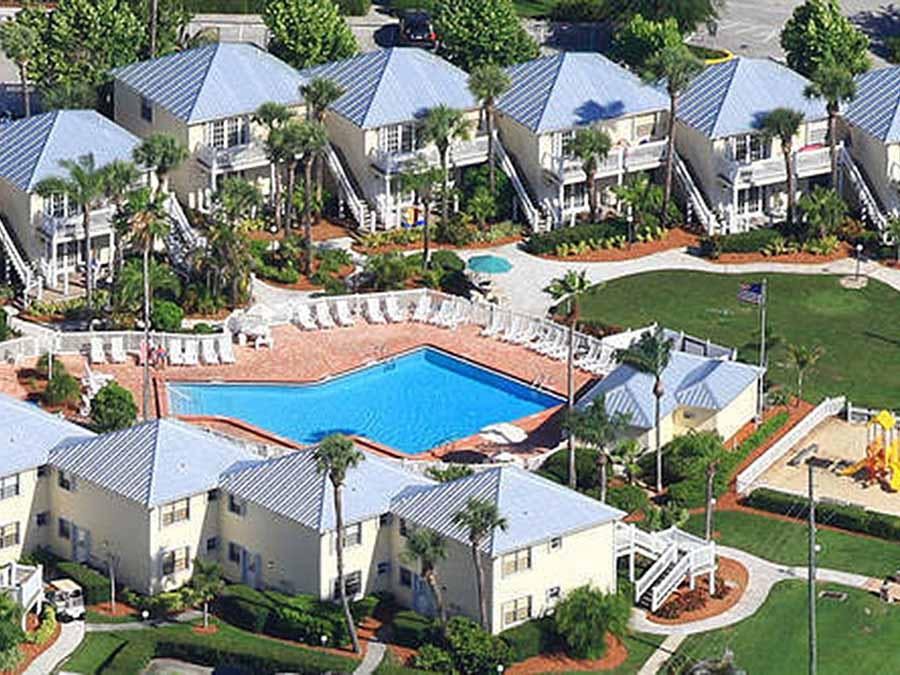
117 350
461 313
373 311
515 327
303 318
344 315
97 354
191 352
226 349
443 315
590 356
176 352
393 310
423 309
323 315
495 325
531 330
208 352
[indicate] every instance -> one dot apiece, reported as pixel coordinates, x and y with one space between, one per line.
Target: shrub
472 648
166 316
282 275
295 624
534 637
94 585
48 626
557 468
10 658
547 243
893 46
752 241
434 659
629 498
449 473
640 37
63 389
411 629
686 456
245 607
448 261
584 617
354 7
113 408
579 10
690 494
688 601
203 329
389 271
364 607
458 230
5 330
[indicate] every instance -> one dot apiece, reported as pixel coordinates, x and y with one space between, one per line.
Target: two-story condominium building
376 126
206 98
45 235
550 98
740 173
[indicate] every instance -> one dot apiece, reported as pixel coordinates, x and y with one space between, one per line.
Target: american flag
752 293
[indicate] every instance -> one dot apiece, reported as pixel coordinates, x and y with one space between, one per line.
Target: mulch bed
797 410
616 654
304 284
735 576
321 231
677 238
209 630
31 651
800 258
122 609
417 246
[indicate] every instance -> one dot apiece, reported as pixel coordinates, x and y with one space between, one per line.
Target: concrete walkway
374 653
70 636
658 658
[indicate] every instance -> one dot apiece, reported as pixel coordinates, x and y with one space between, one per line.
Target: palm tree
591 147
625 455
319 94
421 179
429 548
894 230
130 284
570 286
642 200
479 518
650 355
238 199
335 456
118 176
163 154
21 42
674 67
596 427
822 210
488 82
272 115
229 256
314 145
84 186
288 143
833 83
784 124
804 359
206 584
442 126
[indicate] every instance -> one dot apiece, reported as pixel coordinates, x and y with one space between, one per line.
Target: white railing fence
669 582
657 569
827 408
365 218
532 214
696 202
867 201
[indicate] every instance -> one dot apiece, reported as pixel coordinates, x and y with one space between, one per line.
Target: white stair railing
695 197
656 570
26 273
187 231
864 194
364 217
669 582
536 220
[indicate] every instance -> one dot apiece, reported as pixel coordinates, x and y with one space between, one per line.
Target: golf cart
66 596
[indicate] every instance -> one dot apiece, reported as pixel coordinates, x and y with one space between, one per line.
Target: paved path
658 658
70 636
374 654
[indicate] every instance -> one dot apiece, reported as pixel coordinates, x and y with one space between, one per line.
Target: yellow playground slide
892 462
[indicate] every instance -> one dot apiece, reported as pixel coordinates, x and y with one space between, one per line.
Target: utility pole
154 26
710 498
762 348
812 571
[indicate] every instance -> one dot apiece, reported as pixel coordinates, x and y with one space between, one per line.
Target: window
643 127
42 518
517 610
146 109
234 552
560 140
55 205
574 196
212 496
816 133
750 200
212 544
552 595
385 520
216 134
9 535
352 585
384 568
175 512
176 560
236 506
353 535
409 138
403 530
65 529
66 481
517 561
389 138
43 470
751 148
405 577
556 543
9 486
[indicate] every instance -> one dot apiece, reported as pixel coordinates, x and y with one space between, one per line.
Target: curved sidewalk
70 636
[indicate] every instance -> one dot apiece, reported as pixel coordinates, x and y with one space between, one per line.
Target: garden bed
304 283
615 655
676 238
433 246
798 258
31 651
735 577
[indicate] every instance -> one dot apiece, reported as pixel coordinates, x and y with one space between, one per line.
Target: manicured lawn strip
858 329
98 617
785 542
128 651
530 8
854 636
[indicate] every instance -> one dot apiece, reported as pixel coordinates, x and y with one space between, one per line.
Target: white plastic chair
97 354
423 309
191 352
176 353
373 311
208 352
303 317
344 315
394 312
117 350
323 315
226 349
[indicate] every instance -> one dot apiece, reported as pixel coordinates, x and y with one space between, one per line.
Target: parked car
416 30
66 596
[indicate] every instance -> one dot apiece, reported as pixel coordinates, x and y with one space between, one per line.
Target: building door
251 569
423 599
81 544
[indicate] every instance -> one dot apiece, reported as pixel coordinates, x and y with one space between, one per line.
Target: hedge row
411 629
532 638
751 241
544 243
94 585
853 518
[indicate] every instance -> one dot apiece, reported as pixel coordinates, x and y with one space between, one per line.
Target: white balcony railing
71 227
462 153
23 582
235 157
771 170
620 160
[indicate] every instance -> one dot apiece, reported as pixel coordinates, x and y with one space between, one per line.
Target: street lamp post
859 249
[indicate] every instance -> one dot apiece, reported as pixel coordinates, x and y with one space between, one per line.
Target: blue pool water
411 403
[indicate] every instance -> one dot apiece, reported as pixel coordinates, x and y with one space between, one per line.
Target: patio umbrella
489 264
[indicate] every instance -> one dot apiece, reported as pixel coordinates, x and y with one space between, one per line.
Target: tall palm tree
21 42
488 82
596 427
442 126
229 257
428 548
84 186
571 286
590 147
833 83
422 180
626 454
784 124
320 93
335 456
675 67
314 145
804 359
118 176
288 142
163 154
206 583
272 115
651 355
479 518
237 199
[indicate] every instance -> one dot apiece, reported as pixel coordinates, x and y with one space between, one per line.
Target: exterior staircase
868 204
364 216
539 219
32 282
183 239
696 202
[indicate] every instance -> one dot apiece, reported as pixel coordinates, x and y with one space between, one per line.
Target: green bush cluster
94 585
399 236
579 10
354 7
113 408
62 389
412 629
557 468
548 243
752 241
532 638
166 316
628 498
47 628
282 275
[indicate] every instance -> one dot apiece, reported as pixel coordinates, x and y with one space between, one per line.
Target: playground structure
882 461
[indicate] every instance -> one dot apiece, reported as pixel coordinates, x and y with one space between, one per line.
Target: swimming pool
411 403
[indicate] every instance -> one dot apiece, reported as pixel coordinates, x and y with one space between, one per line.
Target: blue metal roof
31 149
572 89
27 434
214 81
535 508
396 85
876 107
689 380
734 97
153 463
293 487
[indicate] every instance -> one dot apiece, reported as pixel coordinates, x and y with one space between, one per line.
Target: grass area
858 329
92 616
785 542
128 651
534 7
854 636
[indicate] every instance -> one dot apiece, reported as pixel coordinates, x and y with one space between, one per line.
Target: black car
416 30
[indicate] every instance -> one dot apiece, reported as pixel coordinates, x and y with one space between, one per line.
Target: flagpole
764 299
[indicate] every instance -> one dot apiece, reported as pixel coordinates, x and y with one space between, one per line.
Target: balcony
70 227
462 153
812 162
234 158
24 583
621 160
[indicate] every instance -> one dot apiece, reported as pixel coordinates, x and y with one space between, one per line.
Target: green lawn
785 542
534 7
98 617
859 330
858 635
